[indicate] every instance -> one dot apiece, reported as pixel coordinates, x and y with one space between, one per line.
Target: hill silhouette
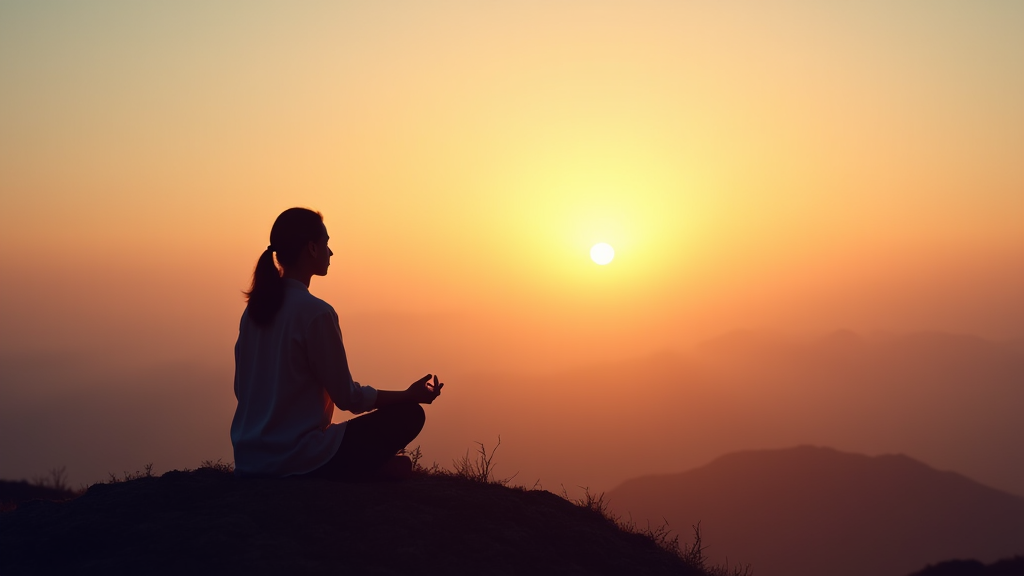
1005 567
808 511
208 522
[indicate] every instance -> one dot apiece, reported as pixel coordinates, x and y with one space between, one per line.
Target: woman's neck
299 275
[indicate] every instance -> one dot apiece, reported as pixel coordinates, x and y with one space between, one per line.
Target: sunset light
602 253
630 237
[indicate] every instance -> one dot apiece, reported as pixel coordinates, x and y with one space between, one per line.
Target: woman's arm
422 391
326 354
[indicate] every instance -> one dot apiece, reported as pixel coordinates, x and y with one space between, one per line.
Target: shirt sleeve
330 365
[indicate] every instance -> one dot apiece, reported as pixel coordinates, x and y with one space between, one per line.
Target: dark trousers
371 440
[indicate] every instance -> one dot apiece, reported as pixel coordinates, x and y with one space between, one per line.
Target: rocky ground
208 522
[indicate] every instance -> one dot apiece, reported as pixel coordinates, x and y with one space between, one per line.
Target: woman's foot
396 468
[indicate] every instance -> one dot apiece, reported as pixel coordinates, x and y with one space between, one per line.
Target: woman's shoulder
305 303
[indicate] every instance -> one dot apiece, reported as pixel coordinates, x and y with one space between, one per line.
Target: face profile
321 254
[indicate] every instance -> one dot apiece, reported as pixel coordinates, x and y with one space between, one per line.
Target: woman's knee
411 416
417 416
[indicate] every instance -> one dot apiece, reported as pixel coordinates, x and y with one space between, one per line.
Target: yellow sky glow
740 158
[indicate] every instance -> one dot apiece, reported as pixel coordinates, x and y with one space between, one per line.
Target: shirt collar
293 283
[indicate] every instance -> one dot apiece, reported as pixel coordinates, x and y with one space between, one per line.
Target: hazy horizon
665 412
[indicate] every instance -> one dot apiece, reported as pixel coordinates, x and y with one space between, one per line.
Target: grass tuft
57 479
218 465
478 467
147 472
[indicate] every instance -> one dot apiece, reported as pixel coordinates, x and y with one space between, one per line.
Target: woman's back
289 375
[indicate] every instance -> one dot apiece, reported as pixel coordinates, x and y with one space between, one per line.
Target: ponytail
289 235
267 291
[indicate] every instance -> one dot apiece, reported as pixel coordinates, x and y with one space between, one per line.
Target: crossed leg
372 440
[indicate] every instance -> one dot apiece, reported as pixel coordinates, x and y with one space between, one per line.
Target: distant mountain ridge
812 511
951 400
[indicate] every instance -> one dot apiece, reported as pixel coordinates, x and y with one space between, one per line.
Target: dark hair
291 233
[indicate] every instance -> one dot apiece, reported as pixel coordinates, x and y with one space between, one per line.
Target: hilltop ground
207 521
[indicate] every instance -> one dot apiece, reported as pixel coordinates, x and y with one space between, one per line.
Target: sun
602 253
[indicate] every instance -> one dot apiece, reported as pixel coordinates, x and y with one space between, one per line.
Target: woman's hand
424 391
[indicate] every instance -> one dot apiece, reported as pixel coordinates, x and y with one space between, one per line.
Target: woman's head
292 233
298 238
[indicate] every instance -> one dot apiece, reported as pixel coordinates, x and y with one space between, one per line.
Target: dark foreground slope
1005 567
207 522
809 511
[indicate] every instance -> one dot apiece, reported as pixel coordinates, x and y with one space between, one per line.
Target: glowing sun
602 253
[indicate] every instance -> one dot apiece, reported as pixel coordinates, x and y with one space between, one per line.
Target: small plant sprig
218 465
477 468
57 479
481 467
147 472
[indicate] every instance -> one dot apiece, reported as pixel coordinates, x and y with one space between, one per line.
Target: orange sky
799 168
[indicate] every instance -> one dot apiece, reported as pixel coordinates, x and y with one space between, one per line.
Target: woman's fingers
426 389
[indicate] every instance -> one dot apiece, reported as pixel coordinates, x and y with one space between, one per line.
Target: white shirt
289 375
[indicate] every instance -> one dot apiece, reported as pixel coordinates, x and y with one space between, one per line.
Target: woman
291 371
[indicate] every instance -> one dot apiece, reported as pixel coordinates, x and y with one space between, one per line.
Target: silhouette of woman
291 371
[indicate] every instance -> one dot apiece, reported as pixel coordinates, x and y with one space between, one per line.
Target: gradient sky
792 166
